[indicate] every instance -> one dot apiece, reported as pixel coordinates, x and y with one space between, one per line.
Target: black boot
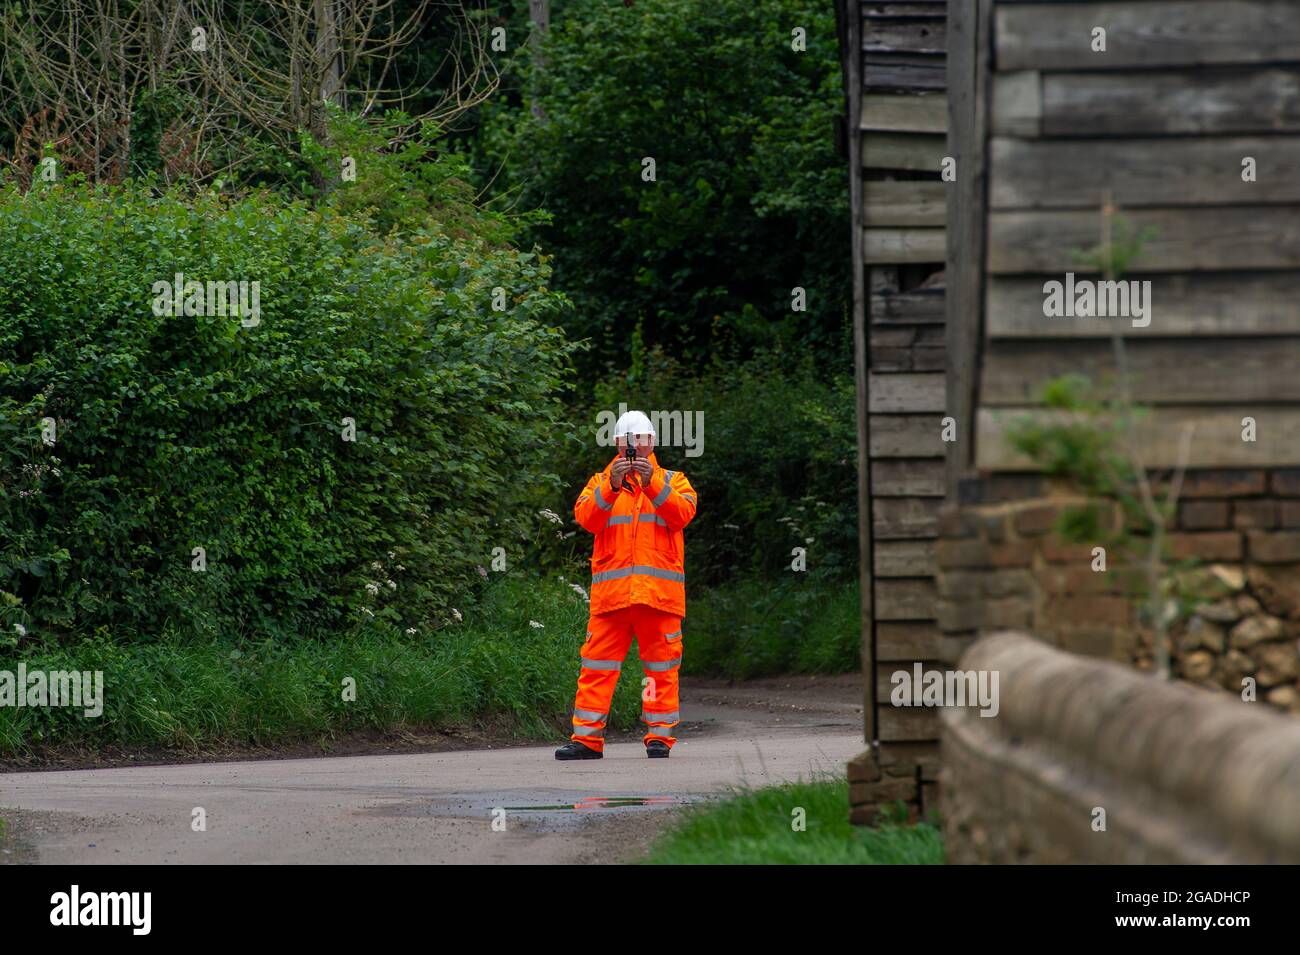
575 750
657 749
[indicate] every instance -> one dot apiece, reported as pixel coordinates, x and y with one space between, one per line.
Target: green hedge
183 432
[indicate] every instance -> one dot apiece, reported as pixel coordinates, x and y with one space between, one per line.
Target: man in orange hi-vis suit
637 511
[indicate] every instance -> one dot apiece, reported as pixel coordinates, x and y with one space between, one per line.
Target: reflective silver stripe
588 715
646 519
661 665
601 503
589 731
646 569
675 635
602 664
659 717
620 519
668 489
689 497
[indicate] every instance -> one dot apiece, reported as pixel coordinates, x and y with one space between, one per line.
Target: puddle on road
587 803
550 808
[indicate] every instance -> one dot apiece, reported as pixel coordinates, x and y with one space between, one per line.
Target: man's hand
618 471
643 467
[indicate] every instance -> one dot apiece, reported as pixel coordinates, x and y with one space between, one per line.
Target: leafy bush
194 431
750 199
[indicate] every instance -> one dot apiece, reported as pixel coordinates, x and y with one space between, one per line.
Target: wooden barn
988 136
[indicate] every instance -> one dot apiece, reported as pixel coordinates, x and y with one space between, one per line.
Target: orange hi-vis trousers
609 637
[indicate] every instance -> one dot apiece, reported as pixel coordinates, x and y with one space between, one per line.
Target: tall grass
494 665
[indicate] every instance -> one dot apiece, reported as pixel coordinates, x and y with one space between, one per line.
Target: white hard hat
633 422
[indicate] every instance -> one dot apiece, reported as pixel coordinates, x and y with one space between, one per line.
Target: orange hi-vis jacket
638 556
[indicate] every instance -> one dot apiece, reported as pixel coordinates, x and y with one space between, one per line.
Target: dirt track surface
437 807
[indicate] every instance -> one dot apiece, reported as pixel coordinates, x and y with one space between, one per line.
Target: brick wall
1000 565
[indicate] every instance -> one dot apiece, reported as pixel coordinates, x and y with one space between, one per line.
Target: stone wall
1001 565
1093 762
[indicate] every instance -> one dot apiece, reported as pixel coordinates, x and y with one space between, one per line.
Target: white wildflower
411 631
392 585
535 625
20 630
551 516
456 613
367 611
372 589
808 540
482 571
579 591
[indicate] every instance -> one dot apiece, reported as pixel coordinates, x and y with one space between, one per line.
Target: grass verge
759 826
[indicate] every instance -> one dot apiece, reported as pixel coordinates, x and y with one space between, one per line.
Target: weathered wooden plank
917 8
917 245
905 518
906 436
848 32
908 359
1017 107
1198 303
906 203
1205 101
1160 371
968 51
921 152
920 306
906 640
1141 172
902 348
1171 33
887 679
908 35
908 392
1217 441
903 71
904 112
904 558
905 336
906 723
906 478
906 599
1202 239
